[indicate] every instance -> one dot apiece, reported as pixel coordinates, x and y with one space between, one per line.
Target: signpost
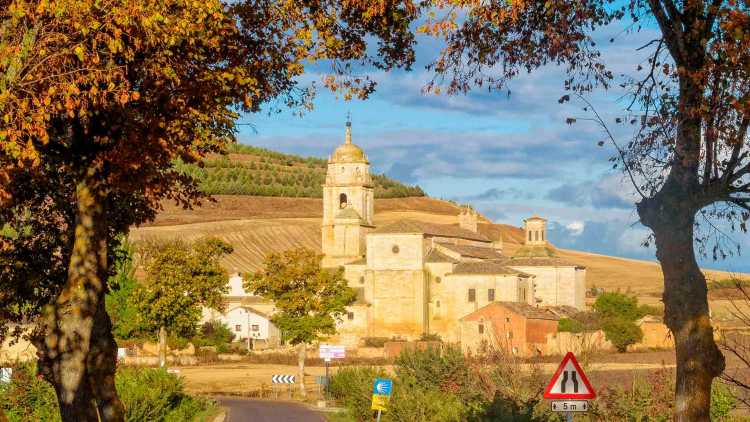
570 388
381 394
283 379
331 351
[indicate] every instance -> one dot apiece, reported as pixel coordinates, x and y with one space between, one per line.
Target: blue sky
509 156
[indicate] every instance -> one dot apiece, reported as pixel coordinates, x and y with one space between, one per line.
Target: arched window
342 200
536 235
542 236
529 236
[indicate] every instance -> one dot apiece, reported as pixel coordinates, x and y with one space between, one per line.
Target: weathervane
349 118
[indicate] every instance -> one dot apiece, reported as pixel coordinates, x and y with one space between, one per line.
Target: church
415 278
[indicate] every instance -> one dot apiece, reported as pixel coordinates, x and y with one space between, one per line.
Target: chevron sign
282 379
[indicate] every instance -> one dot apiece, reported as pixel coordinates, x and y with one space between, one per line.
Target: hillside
248 170
257 226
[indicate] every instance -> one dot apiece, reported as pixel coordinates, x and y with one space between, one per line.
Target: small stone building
518 328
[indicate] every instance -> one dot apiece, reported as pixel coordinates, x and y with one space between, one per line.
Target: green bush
153 395
28 398
352 387
622 333
214 333
569 325
148 395
723 402
618 305
413 403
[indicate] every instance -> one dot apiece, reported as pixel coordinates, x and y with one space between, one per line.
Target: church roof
435 256
430 229
523 309
348 153
540 262
535 251
486 267
473 251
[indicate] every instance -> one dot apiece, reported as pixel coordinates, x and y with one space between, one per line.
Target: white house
246 315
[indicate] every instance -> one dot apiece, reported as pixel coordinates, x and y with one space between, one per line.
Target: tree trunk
102 367
77 353
686 311
301 354
162 347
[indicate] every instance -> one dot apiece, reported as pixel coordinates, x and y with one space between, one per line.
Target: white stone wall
557 286
453 294
387 251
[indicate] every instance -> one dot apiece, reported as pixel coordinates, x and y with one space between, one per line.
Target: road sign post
570 388
328 352
381 395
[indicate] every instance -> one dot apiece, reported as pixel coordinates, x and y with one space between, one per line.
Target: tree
98 100
309 299
181 279
689 158
618 305
621 332
119 304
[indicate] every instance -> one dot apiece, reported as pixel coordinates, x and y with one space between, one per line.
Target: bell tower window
342 200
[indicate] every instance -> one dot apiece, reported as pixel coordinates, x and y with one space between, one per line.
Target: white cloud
576 228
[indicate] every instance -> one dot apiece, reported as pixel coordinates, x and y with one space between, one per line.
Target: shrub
618 305
622 333
413 403
148 395
153 395
27 397
214 333
723 401
352 387
430 337
569 325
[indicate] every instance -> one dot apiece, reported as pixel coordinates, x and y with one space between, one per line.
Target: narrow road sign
569 382
570 406
282 379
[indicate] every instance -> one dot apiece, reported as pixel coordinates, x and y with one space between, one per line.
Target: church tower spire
348 203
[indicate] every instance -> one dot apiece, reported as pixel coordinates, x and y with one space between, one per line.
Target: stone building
520 328
415 277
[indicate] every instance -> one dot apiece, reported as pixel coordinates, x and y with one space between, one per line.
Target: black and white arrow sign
282 379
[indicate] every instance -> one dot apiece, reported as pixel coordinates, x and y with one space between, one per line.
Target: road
253 410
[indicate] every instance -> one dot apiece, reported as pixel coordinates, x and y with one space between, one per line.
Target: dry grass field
257 226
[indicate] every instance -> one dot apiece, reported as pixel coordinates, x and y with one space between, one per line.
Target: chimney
467 219
535 231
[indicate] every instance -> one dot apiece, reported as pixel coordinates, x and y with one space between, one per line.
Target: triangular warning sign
569 381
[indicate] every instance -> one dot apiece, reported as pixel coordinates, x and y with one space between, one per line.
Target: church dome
349 152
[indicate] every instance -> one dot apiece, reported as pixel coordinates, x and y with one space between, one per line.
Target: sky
510 156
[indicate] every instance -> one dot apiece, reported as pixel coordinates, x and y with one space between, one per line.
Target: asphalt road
252 410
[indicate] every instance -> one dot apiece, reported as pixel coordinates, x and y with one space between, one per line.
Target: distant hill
257 226
248 170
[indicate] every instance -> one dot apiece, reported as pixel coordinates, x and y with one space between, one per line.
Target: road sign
382 386
569 382
381 394
5 374
282 379
570 406
332 351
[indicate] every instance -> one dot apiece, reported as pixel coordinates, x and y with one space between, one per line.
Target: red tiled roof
430 229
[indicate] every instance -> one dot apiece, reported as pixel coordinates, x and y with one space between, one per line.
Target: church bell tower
348 204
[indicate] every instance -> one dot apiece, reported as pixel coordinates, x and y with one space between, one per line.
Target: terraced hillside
257 226
248 170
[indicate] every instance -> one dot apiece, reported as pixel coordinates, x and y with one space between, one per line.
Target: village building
246 315
414 277
518 328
